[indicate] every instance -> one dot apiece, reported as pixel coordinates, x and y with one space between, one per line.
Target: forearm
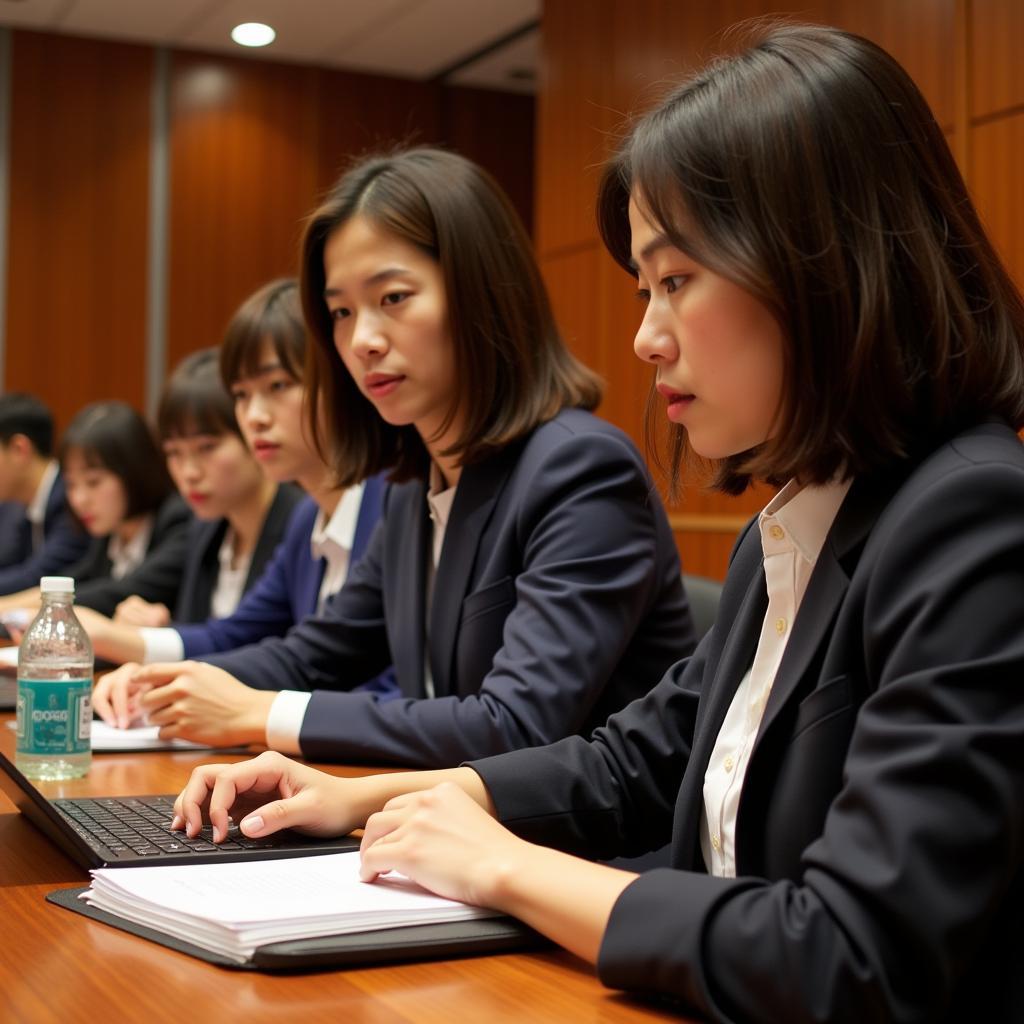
370 793
22 599
563 897
117 642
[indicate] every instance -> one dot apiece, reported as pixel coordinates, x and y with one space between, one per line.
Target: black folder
388 945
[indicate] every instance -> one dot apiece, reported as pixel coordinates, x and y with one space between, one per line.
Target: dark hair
273 315
513 370
25 414
194 400
113 436
809 170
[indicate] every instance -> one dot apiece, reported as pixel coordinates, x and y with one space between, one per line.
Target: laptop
124 831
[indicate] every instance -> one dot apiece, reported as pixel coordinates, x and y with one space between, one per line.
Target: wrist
498 879
253 722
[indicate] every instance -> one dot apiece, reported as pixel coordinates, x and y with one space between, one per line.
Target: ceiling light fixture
253 33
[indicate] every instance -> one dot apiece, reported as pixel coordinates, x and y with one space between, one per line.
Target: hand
134 611
116 696
308 800
193 701
443 839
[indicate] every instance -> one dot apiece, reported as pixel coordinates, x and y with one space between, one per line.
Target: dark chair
703 595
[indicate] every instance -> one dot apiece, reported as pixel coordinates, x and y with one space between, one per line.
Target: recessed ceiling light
253 33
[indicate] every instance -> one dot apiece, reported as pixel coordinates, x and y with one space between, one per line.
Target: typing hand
116 697
300 798
190 700
134 611
443 839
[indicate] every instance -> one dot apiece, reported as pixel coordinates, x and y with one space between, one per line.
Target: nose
368 340
191 470
256 413
654 341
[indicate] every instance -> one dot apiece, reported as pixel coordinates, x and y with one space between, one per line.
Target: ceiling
485 43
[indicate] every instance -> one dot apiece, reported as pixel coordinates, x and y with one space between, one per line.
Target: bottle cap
57 585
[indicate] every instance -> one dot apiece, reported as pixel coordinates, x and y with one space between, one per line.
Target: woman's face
96 495
390 313
717 350
269 410
215 473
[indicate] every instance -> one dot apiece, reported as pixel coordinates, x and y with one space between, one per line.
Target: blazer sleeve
63 547
595 562
158 577
923 842
269 607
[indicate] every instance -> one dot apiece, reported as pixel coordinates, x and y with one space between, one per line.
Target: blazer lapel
369 514
405 586
477 492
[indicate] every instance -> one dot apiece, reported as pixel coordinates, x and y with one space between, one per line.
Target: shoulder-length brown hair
809 170
513 370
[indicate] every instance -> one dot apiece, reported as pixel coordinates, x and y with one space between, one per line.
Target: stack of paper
233 908
137 737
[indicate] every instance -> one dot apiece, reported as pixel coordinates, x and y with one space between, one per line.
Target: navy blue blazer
880 831
289 588
203 565
63 545
557 599
156 579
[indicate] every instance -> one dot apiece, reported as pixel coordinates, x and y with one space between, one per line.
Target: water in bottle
55 668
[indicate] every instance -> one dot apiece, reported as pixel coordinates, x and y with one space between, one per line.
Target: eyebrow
381 275
659 241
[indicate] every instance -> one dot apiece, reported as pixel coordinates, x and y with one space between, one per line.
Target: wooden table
58 966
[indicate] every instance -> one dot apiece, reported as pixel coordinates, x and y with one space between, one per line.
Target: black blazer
557 599
158 577
64 542
880 831
203 567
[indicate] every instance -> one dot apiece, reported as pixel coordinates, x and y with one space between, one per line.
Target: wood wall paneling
79 179
243 176
997 157
997 70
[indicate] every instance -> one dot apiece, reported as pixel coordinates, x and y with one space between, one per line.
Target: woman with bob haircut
240 514
259 374
839 765
524 576
119 491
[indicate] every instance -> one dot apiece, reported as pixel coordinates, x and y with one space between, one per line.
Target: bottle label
54 716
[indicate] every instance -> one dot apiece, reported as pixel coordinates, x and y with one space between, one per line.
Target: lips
380 385
264 449
196 498
678 401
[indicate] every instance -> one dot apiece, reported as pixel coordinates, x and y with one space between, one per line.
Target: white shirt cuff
161 644
284 722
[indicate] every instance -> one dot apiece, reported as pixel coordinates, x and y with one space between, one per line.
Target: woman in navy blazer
524 580
261 368
840 765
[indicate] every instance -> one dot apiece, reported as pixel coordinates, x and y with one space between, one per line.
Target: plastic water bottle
55 668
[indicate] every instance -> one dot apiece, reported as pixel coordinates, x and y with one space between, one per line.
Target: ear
21 447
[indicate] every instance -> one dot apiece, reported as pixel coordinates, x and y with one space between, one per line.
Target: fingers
115 697
161 672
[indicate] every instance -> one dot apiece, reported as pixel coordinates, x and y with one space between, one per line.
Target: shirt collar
36 511
340 530
439 497
132 553
801 517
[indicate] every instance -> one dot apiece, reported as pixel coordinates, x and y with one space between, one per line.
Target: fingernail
252 825
176 822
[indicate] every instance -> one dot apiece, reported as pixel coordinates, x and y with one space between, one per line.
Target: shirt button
776 532
728 764
716 843
780 626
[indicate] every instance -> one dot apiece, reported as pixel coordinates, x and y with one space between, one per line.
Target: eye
394 298
239 395
278 386
643 295
341 313
673 282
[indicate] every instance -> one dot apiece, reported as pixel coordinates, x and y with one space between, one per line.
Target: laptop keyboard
133 827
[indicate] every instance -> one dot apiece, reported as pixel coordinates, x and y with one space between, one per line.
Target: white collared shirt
793 529
35 512
127 557
332 539
284 723
231 577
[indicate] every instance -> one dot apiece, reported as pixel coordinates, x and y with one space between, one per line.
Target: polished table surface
59 966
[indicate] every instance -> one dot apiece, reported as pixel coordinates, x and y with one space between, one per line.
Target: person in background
38 536
839 766
261 367
523 580
120 493
240 514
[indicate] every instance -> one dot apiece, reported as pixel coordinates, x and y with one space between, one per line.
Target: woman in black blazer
524 580
840 765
